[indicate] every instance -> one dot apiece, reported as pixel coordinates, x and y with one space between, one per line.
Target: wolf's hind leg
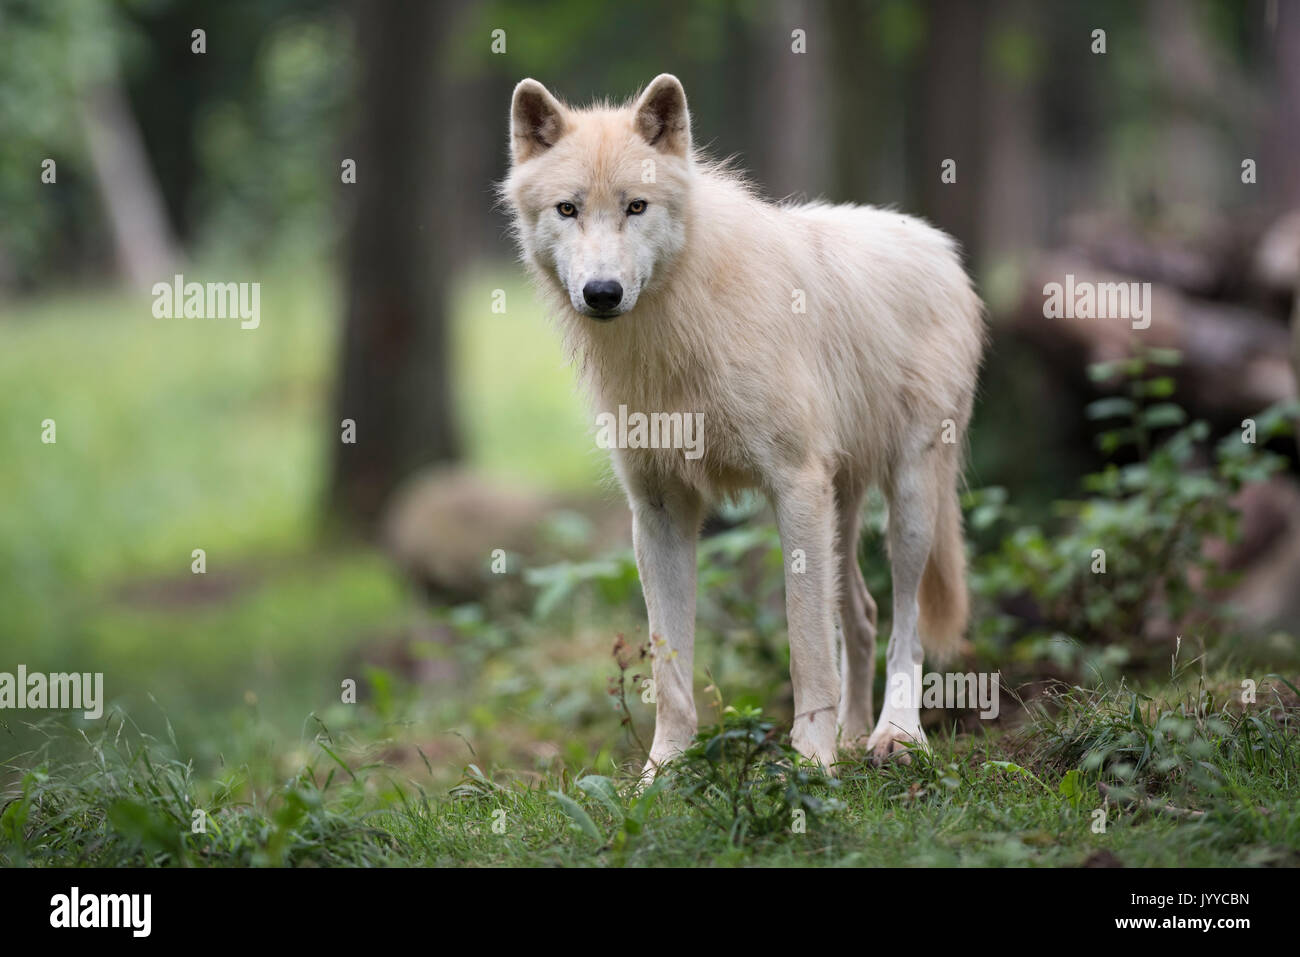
913 508
857 621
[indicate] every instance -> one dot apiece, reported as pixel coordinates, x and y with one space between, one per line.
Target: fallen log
1236 360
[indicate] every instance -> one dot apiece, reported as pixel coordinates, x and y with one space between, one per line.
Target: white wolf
830 349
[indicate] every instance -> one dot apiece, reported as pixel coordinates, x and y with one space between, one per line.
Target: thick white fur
871 385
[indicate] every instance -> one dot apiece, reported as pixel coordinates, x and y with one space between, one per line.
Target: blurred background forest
372 560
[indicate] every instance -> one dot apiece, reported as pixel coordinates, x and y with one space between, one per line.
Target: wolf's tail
944 602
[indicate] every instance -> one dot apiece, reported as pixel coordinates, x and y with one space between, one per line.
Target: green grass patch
738 797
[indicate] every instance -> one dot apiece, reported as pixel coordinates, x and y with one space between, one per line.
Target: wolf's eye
567 209
636 207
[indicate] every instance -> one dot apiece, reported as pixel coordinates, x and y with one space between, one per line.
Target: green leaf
142 823
642 805
1017 769
1101 371
1006 766
14 818
1164 357
1163 415
604 791
1111 407
1159 388
1072 787
581 821
551 597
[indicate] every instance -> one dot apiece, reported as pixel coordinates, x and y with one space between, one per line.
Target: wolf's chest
692 438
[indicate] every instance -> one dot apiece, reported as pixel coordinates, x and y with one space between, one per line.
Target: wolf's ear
662 117
536 120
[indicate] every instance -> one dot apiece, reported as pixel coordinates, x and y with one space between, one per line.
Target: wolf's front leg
805 515
665 526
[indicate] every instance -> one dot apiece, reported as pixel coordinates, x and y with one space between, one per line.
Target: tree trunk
862 107
394 382
789 97
142 237
1010 188
1283 176
951 112
1295 337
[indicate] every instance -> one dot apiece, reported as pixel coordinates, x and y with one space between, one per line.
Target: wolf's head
600 195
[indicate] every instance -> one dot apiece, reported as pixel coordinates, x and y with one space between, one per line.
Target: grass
482 735
129 799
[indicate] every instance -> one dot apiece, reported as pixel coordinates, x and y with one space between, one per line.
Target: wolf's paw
814 738
648 775
853 733
656 764
894 738
662 752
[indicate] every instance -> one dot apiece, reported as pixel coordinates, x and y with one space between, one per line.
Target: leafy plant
134 802
628 815
1130 559
744 777
1140 745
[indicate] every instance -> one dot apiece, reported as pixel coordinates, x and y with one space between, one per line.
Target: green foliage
48 49
628 812
131 800
615 580
743 776
1128 562
120 797
244 149
1072 788
1011 767
266 147
1193 743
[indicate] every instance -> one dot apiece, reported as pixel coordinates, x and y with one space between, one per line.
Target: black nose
602 294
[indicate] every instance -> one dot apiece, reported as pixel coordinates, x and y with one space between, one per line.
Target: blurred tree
394 382
790 91
47 51
951 119
858 110
146 250
1286 119
1011 190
